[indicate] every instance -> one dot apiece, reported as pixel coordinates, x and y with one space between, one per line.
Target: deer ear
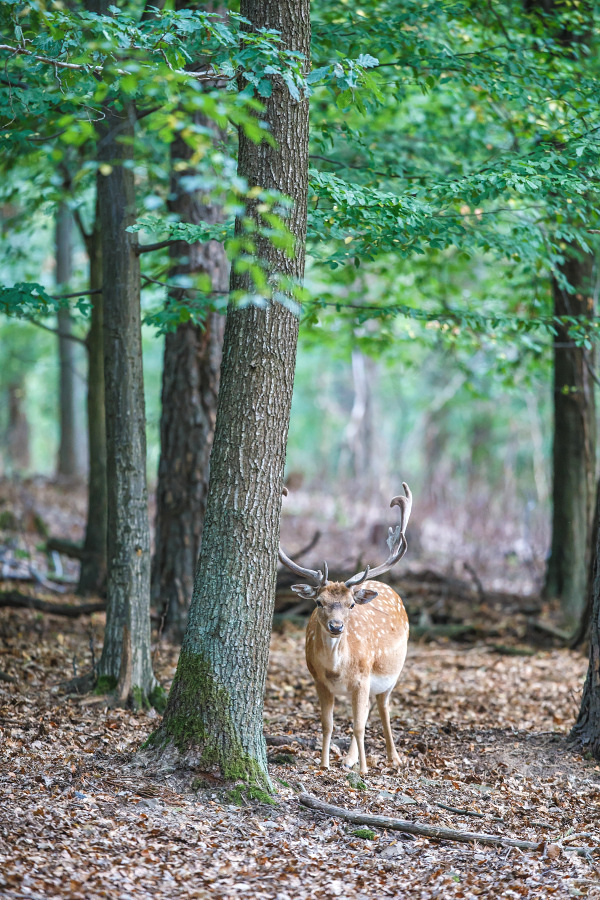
307 591
364 595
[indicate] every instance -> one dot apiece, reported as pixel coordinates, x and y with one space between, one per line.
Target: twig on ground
467 812
434 832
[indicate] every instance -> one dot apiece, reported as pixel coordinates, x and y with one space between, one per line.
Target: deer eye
319 603
352 605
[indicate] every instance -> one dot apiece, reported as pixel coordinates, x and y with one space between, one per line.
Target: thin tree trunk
214 713
18 432
128 583
580 636
574 451
586 731
68 458
92 576
190 386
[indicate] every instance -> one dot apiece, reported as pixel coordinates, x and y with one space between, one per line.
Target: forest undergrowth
481 728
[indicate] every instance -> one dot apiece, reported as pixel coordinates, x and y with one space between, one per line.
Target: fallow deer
354 647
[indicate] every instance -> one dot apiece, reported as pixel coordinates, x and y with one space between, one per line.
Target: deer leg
352 754
360 714
326 699
383 705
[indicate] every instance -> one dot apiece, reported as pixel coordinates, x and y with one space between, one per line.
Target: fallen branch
552 631
16 600
430 831
68 548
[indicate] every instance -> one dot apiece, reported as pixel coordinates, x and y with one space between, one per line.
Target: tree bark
574 450
128 546
190 387
586 731
213 718
92 576
68 457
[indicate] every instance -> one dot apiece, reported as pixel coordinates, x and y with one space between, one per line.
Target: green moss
238 793
40 526
365 833
356 782
105 684
284 783
8 520
196 700
155 739
139 698
158 698
256 794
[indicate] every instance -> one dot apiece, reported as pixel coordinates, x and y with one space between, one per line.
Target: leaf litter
482 739
481 734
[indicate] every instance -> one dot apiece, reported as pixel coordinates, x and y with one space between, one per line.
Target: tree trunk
128 582
586 731
574 452
92 576
581 634
214 714
68 458
190 387
18 432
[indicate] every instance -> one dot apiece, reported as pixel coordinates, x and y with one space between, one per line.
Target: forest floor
481 732
480 727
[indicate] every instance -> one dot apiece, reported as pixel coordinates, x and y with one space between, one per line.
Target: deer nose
335 627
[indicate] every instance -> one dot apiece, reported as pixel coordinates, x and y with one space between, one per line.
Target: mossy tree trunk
574 449
92 576
190 387
213 718
126 651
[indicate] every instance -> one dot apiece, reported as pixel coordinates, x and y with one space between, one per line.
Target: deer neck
334 649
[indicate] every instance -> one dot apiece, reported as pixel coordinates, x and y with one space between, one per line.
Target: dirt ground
480 732
481 728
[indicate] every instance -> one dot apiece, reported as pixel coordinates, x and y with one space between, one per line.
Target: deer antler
317 576
396 541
